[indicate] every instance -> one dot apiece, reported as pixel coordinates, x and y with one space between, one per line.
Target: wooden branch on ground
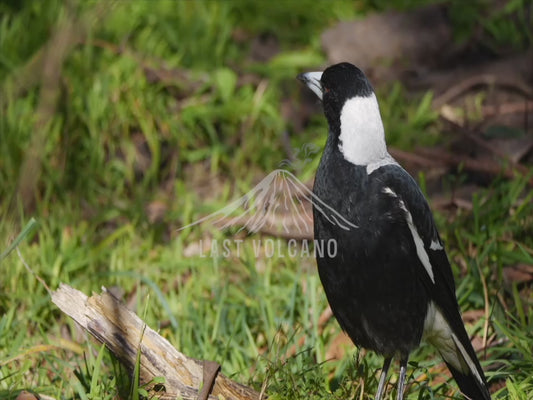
125 335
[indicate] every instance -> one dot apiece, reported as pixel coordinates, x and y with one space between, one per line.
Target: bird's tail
453 344
466 370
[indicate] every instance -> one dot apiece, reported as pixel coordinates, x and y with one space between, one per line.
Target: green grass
119 140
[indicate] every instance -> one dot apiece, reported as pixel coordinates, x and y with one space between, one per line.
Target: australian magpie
390 284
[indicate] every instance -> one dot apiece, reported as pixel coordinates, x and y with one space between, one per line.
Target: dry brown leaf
156 211
519 273
471 316
338 347
25 395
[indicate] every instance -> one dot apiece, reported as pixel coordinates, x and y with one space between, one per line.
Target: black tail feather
470 387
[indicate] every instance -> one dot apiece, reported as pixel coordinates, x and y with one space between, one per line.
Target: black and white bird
389 284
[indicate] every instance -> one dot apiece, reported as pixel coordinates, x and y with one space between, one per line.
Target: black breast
370 281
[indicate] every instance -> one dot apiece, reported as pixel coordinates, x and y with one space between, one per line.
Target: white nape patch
419 244
362 137
312 80
439 333
436 245
388 160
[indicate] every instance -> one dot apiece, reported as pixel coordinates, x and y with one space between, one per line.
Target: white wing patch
436 245
419 243
389 191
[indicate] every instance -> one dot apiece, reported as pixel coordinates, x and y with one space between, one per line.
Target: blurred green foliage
161 102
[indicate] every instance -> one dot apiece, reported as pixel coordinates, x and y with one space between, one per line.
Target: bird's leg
383 377
403 372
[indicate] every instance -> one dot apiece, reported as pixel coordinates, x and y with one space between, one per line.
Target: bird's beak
312 80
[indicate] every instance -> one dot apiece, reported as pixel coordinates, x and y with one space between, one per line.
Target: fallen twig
485 79
483 166
125 335
476 138
507 108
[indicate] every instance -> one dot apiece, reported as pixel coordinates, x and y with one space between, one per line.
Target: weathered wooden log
126 335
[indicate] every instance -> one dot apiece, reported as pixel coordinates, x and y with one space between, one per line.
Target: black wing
436 275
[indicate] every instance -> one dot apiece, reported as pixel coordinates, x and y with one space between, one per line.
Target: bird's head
352 111
336 86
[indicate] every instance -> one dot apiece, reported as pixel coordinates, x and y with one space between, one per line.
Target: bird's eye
325 89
